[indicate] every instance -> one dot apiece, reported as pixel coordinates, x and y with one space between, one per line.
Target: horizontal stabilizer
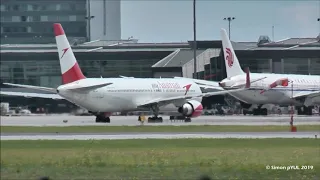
88 87
52 90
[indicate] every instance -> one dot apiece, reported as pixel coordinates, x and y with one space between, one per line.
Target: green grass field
160 159
191 128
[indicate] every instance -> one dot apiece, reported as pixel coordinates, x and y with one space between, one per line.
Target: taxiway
69 120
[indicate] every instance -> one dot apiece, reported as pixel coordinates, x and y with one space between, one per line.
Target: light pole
229 19
195 76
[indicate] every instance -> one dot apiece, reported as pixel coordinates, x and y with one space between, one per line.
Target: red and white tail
70 69
233 67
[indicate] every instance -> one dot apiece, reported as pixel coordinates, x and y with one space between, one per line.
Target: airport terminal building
30 21
38 64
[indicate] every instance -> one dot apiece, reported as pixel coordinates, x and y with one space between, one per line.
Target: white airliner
302 91
102 96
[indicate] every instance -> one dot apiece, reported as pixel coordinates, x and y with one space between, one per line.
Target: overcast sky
172 20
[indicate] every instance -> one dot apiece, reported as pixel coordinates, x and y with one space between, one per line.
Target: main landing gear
102 118
305 110
155 118
260 111
181 118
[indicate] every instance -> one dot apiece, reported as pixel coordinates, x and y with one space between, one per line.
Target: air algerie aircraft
302 91
102 96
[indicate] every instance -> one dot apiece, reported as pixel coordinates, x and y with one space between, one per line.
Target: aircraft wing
240 84
308 94
51 90
204 83
30 95
164 101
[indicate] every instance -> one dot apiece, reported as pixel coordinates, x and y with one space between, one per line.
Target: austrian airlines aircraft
282 89
101 96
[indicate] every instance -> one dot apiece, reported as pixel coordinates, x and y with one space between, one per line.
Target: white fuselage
126 94
280 95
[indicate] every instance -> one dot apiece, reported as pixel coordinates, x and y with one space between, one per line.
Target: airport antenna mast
229 19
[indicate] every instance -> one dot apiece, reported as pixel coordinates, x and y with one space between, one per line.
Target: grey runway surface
181 135
57 120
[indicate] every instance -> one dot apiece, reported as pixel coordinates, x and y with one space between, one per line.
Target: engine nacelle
192 108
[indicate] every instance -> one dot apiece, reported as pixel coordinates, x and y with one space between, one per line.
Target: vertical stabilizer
233 67
70 69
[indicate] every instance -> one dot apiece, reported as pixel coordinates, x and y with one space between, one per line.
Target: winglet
248 83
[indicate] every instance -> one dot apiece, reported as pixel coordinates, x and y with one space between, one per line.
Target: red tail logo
64 51
229 57
187 88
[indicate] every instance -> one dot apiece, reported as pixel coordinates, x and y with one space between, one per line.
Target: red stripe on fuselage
73 74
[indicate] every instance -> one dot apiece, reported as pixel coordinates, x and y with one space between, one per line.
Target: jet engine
191 108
